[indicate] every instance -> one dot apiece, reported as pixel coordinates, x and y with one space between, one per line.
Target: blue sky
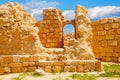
96 8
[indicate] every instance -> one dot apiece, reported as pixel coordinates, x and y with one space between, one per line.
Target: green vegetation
22 76
17 78
83 77
111 70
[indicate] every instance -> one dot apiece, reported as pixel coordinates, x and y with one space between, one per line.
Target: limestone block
112 42
110 36
104 20
33 58
24 69
32 63
80 69
108 49
16 59
46 30
40 63
118 30
117 49
1 59
98 66
25 64
7 69
16 69
58 69
104 43
115 25
31 69
115 59
99 49
90 66
58 63
15 64
24 59
2 70
112 31
67 63
73 68
108 59
100 37
82 63
67 68
101 32
7 59
48 68
117 19
99 27
107 26
4 64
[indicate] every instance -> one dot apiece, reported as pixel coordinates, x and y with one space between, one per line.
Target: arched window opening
68 33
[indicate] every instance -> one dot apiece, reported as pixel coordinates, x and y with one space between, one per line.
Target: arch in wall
68 25
72 22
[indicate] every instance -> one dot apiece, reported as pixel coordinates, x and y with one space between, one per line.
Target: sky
96 8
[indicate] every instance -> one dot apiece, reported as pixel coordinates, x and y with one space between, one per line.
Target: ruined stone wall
106 39
50 28
29 63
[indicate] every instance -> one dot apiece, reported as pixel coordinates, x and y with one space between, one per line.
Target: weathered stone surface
17 32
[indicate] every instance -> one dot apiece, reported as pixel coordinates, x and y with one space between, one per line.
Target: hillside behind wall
106 39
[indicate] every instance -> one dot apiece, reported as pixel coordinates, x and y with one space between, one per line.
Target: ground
111 71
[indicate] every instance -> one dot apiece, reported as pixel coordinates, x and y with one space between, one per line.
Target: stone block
90 65
98 66
117 49
58 69
104 43
108 59
32 63
112 42
67 68
104 21
73 68
33 58
25 64
16 59
100 37
99 49
24 69
4 64
24 59
82 63
2 70
101 32
108 49
16 69
46 30
107 26
7 59
115 25
31 69
58 63
15 64
112 31
118 30
110 36
41 64
7 69
80 69
1 59
48 68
